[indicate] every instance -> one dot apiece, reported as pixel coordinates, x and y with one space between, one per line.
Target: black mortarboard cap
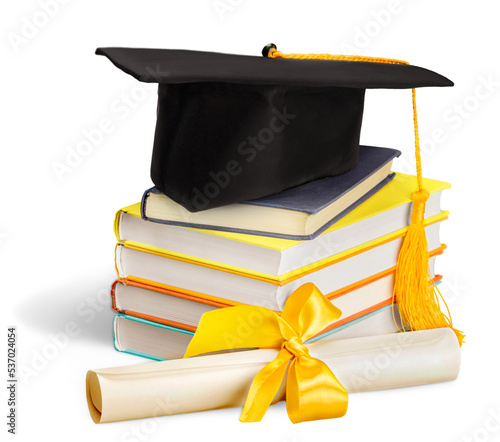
231 128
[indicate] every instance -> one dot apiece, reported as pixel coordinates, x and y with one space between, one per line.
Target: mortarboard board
231 128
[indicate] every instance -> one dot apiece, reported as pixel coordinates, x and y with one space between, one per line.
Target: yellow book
239 286
383 217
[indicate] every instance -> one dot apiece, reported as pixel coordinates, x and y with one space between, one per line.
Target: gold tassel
417 298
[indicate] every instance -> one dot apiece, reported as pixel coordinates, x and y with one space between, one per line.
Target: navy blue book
300 213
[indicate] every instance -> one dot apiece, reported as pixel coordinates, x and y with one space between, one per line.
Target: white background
56 239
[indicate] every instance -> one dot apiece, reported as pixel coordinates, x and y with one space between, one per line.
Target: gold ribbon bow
312 390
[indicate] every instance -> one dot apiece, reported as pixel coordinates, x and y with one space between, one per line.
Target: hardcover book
179 310
230 285
159 342
302 212
385 212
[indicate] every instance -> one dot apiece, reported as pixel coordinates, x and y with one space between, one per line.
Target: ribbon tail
313 392
236 328
264 388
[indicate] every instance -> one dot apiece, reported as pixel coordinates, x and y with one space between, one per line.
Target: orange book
184 311
167 320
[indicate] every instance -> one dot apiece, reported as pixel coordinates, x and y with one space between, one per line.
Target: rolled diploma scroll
223 380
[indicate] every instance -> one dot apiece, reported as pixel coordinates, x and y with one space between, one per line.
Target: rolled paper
223 380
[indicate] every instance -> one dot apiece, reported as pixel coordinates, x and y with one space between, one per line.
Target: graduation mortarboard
232 128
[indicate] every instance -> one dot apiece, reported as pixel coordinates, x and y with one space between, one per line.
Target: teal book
160 342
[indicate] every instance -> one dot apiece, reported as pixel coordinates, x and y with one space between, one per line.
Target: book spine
144 200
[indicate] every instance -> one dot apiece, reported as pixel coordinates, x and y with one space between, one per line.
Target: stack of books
341 233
